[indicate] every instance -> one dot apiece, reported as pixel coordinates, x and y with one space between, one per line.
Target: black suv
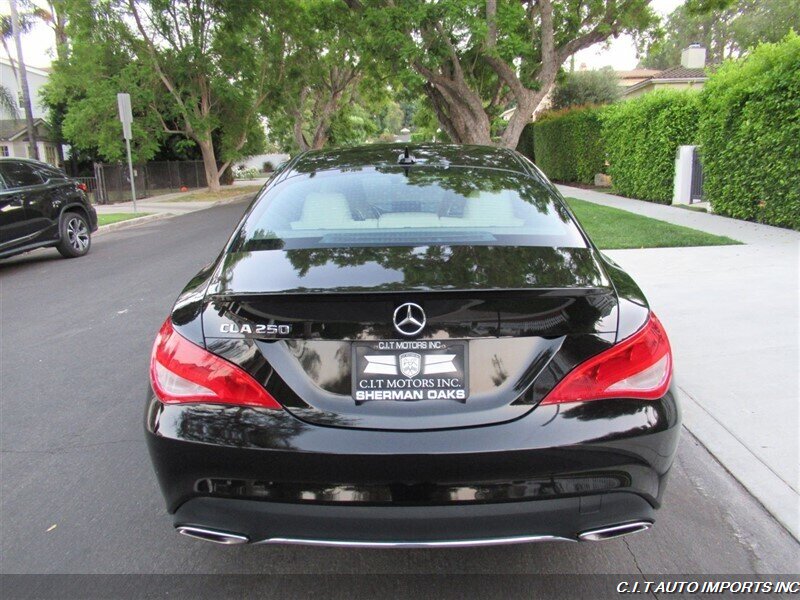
40 206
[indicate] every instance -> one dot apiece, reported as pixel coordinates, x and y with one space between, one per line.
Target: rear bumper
409 526
555 473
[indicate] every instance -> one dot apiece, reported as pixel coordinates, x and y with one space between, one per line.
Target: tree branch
157 66
491 24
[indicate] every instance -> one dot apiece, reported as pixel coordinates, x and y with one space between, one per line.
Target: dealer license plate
410 370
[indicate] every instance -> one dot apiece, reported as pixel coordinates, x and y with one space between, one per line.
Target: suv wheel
76 238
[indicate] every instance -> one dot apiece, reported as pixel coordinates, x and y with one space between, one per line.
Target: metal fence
697 177
112 182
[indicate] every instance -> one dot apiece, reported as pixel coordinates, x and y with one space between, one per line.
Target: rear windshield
416 206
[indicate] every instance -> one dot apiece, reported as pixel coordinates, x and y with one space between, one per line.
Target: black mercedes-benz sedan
411 347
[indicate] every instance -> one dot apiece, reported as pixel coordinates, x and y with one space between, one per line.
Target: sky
619 53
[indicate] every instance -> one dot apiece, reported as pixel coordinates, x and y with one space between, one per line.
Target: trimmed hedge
568 145
746 121
750 135
641 138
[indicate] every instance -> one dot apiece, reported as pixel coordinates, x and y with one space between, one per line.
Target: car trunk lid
323 322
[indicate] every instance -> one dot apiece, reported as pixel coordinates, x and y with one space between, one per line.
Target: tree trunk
323 129
459 109
522 116
33 149
59 24
210 163
299 136
458 117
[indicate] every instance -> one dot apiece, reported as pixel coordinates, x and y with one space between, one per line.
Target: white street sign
125 114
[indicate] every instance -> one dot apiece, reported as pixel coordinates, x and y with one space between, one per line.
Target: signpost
125 115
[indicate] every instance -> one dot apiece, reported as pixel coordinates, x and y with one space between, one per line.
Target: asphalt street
78 495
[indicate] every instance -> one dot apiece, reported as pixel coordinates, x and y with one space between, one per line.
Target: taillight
639 367
181 371
82 187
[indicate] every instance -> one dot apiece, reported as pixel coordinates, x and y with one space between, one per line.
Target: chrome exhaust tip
614 531
211 535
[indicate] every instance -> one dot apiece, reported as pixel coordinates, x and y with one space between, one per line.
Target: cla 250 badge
255 329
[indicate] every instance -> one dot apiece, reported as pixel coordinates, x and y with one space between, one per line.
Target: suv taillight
181 372
638 367
82 187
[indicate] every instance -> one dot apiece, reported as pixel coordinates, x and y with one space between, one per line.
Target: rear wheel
76 237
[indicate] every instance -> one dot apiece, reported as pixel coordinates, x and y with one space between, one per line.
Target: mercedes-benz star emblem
409 319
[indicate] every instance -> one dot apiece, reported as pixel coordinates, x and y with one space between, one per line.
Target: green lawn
611 229
107 219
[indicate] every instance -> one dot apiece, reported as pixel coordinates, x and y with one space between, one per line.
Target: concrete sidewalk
733 315
171 203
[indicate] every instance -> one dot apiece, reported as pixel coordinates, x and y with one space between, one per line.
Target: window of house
50 155
4 151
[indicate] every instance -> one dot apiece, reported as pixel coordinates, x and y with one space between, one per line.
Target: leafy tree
582 88
215 60
726 28
322 77
199 70
391 117
474 59
84 86
352 125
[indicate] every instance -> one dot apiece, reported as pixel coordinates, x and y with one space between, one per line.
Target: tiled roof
636 73
10 127
681 73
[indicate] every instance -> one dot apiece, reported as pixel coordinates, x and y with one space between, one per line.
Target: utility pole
33 149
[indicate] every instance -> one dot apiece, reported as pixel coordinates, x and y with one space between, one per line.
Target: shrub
245 173
568 146
750 135
641 138
582 88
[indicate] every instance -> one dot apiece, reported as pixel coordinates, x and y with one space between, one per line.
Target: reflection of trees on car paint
461 266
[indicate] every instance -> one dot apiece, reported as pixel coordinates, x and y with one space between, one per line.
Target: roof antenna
406 158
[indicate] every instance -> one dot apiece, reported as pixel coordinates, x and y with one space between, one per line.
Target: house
690 74
36 80
626 79
13 130
14 140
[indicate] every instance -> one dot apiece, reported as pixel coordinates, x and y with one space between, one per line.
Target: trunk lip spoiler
543 291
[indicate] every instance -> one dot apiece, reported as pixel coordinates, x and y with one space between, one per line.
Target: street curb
769 490
158 216
133 222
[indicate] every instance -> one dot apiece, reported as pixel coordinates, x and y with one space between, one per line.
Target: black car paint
235 467
30 216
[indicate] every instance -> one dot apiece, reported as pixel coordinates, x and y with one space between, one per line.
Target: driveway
79 494
733 316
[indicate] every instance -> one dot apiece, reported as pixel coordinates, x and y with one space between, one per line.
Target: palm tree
7 102
26 23
33 150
